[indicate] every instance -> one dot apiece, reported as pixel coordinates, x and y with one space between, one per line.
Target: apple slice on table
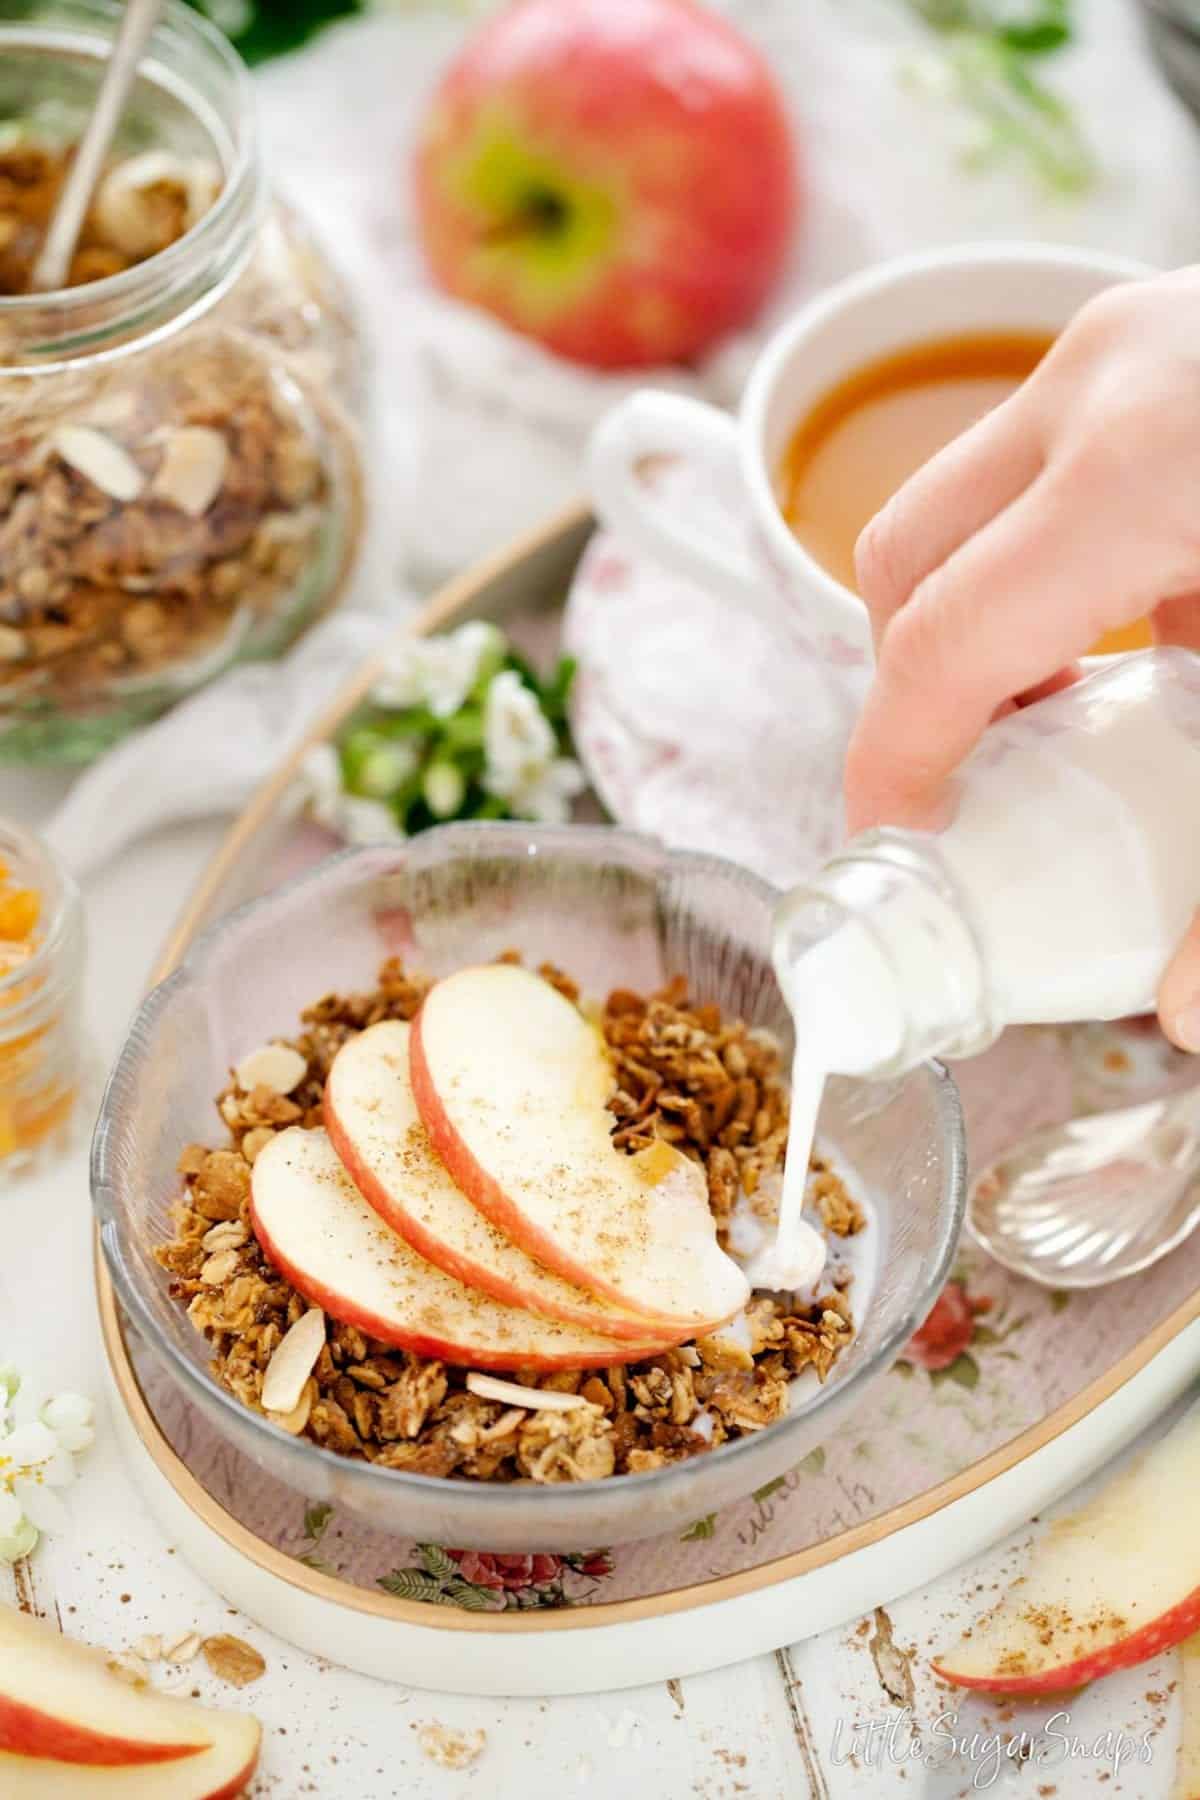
69 1726
512 1085
372 1119
319 1232
1186 1785
1108 1586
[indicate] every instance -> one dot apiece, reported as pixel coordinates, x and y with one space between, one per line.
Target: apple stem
541 211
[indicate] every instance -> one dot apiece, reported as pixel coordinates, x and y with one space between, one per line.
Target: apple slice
317 1229
1108 1586
375 1127
511 1083
1186 1785
69 1725
212 1775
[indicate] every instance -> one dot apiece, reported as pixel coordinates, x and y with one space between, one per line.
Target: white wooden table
792 1725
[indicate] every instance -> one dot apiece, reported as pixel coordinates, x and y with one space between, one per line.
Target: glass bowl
614 909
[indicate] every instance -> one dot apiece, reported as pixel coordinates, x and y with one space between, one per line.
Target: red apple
612 177
373 1123
317 1229
511 1082
69 1726
1107 1586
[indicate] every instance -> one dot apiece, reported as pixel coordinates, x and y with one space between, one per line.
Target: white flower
367 821
357 820
523 765
437 672
36 1459
321 777
547 799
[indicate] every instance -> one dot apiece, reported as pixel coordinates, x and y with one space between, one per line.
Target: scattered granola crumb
129 1668
448 1748
233 1660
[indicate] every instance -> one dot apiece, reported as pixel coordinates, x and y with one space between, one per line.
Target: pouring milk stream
1058 891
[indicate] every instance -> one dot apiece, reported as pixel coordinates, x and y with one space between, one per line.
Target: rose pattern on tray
485 1581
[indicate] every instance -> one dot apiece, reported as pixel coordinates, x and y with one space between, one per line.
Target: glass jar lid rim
236 203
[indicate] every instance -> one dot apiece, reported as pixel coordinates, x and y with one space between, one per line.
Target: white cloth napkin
477 433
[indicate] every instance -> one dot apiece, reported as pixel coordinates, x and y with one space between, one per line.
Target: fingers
1026 594
1179 995
1177 621
956 493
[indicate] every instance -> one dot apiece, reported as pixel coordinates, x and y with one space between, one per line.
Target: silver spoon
1096 1199
58 247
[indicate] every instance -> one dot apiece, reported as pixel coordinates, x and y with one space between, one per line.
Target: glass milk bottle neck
880 960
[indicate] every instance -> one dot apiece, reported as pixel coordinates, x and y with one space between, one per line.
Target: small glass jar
180 478
41 971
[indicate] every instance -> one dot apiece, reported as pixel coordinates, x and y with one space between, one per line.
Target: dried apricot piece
19 910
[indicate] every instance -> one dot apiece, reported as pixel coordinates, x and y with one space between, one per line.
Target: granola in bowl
685 1076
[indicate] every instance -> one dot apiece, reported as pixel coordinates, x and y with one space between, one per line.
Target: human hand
1070 510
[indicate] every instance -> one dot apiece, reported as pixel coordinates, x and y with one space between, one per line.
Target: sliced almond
100 459
13 644
491 1387
230 1234
295 1421
274 1066
192 470
122 208
217 1270
293 1363
232 1659
183 1649
256 1140
149 1648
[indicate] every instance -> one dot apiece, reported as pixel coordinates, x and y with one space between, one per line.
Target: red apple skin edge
494 1203
238 1784
1163 1633
420 1343
26 1731
660 112
472 1274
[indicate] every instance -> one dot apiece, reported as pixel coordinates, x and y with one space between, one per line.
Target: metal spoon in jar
66 222
1095 1199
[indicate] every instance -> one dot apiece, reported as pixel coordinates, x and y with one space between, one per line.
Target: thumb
1179 994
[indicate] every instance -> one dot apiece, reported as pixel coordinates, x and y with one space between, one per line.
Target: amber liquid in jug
864 438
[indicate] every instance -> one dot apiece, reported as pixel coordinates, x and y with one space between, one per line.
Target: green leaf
317 1515
473 1598
702 1528
312 1561
414 1584
1060 1299
963 1371
265 28
983 1334
814 1462
903 1368
435 1560
772 1487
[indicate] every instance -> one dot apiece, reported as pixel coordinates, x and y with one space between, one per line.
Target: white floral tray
1009 1396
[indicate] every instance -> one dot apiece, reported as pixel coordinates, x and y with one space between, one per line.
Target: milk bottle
1064 878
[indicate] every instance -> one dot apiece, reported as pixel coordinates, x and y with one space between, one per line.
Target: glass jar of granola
179 469
41 967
